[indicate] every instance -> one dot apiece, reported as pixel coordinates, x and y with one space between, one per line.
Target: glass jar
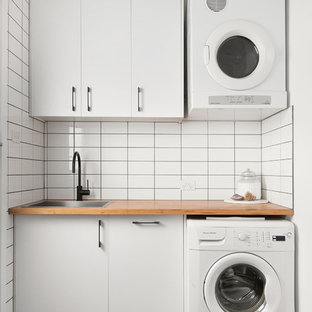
249 182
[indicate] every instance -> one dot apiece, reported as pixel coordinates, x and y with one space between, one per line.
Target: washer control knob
289 234
242 236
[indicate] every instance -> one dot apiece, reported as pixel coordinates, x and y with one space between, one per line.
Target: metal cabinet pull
89 94
73 99
145 222
99 232
140 104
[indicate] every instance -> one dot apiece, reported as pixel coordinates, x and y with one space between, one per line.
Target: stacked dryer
236 58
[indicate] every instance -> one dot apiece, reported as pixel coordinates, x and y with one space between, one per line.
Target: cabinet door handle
145 222
89 98
73 99
99 233
140 102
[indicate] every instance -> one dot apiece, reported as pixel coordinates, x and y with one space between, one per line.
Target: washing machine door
239 55
242 282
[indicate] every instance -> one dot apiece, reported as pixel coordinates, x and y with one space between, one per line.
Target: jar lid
248 176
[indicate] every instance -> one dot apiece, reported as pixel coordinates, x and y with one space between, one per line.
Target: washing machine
240 265
236 56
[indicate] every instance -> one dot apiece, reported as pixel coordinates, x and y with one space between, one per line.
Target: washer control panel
262 239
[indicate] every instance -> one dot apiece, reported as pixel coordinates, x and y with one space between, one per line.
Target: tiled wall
131 160
277 158
25 143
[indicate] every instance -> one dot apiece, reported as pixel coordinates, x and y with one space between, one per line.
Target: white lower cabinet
59 264
146 264
98 264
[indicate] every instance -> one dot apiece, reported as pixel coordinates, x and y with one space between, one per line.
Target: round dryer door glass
237 57
240 288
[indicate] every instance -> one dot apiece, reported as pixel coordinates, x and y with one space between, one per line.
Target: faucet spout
77 156
80 190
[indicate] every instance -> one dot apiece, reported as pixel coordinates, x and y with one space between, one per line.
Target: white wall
300 85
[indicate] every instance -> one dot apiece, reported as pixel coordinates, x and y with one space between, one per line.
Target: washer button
242 236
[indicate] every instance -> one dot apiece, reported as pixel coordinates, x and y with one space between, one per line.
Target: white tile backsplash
147 160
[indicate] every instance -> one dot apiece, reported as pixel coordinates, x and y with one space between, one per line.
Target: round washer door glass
237 57
240 288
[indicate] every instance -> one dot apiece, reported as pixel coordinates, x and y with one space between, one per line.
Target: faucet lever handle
87 184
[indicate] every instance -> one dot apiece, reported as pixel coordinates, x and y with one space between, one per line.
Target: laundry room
155 155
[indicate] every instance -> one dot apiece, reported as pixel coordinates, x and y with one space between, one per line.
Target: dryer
240 265
236 58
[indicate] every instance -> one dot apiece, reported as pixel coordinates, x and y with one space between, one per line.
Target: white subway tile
114 181
27 183
141 181
88 153
167 181
286 184
286 116
15 81
173 141
248 141
194 168
141 167
167 194
114 127
271 138
198 154
286 200
114 140
248 127
14 98
167 154
15 166
247 154
194 127
286 134
15 63
167 128
271 168
87 140
60 181
141 154
87 127
194 141
114 154
221 127
163 167
141 127
15 149
221 155
114 194
14 199
221 168
60 127
141 140
60 140
287 150
114 167
286 167
59 153
14 183
15 29
38 181
14 115
271 123
221 182
141 194
221 141
67 194
199 194
199 180
15 12
15 46
91 167
271 153
94 181
220 194
59 167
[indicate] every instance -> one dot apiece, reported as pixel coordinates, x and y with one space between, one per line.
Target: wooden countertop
163 207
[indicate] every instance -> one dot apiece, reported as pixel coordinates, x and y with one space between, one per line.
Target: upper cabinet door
55 57
106 58
157 58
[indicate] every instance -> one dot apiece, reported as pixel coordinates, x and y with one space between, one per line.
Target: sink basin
70 203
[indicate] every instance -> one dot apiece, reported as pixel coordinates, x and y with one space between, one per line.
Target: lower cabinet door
61 264
146 263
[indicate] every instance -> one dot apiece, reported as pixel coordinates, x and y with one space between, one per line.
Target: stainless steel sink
70 203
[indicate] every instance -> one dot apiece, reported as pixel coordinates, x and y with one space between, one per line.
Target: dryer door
239 55
242 282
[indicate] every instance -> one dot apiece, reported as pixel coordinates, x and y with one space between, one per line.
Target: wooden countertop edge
165 207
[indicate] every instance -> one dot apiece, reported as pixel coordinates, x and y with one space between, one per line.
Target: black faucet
80 191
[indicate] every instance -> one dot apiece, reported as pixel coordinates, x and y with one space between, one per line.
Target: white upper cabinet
157 58
106 58
55 57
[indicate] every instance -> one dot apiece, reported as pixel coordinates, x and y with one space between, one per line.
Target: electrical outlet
188 186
